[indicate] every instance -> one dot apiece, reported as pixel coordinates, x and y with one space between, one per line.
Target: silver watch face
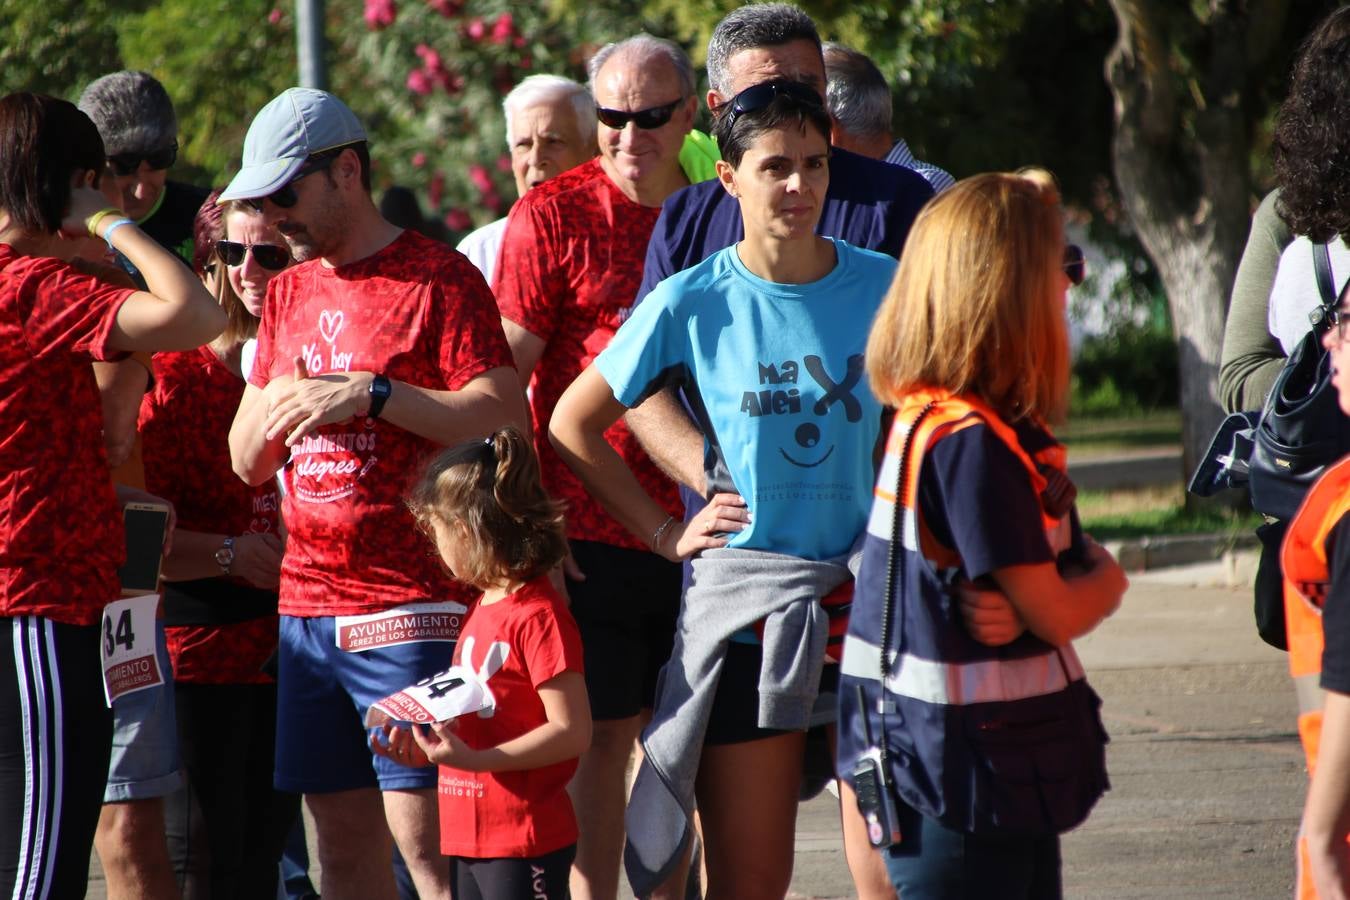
224 557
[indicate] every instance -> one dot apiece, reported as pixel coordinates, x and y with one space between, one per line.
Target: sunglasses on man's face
758 96
646 119
124 164
270 256
285 196
1075 264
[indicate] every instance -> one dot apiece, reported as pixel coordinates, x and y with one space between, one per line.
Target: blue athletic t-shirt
774 373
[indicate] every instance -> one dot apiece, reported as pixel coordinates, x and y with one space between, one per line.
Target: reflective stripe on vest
964 684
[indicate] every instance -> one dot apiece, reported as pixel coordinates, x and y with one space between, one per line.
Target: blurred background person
861 108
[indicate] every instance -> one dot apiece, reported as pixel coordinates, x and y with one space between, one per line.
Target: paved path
1205 764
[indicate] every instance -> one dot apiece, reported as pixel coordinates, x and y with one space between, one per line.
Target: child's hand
441 745
400 746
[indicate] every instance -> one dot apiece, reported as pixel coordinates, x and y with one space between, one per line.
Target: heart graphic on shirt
259 526
330 323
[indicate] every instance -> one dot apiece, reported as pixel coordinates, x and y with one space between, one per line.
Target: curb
1166 551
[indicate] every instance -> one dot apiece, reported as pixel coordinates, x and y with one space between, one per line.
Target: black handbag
1278 453
1302 429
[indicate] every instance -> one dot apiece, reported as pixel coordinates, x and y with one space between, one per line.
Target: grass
1104 436
1145 512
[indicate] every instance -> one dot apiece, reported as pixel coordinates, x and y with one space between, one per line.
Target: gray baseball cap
284 133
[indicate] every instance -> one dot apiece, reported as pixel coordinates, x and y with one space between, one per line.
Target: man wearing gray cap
378 349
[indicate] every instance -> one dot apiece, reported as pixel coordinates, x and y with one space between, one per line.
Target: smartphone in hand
146 524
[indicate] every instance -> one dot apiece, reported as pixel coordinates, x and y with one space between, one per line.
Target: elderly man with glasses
379 348
571 261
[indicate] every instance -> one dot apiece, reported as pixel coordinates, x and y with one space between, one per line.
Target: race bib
407 624
446 695
128 646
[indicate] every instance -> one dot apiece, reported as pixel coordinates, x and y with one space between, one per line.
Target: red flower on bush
419 159
503 29
380 14
479 177
420 83
435 189
503 163
431 60
274 17
447 8
458 220
476 29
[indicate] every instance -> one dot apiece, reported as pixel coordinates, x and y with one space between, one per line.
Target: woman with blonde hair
966 725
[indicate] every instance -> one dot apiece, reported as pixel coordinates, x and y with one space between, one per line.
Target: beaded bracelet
107 235
661 532
91 223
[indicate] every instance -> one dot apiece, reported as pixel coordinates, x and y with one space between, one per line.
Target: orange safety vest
1303 560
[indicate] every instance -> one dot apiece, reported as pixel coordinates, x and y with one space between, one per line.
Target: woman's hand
988 615
725 515
400 746
257 560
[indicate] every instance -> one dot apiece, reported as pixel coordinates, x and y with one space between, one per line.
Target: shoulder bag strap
1326 285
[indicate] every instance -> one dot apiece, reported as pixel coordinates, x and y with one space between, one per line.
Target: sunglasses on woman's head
285 196
124 164
646 119
758 96
1075 264
269 256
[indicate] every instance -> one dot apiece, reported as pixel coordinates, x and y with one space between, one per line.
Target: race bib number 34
401 625
128 646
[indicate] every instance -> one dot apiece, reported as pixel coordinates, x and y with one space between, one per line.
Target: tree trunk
1181 150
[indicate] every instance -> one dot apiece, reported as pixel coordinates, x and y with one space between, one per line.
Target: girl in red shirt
506 821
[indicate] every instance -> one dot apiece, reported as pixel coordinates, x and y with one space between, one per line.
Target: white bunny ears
457 691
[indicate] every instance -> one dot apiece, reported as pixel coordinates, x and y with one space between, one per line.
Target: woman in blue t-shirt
975 734
766 340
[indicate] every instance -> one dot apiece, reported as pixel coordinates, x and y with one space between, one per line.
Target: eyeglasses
124 164
646 119
269 256
758 96
1340 320
285 196
1075 264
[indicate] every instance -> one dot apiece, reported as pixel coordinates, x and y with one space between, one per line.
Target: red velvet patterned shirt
61 537
570 266
420 313
185 427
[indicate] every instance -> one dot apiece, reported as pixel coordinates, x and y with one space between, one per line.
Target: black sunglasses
646 119
758 96
1075 264
269 256
285 196
124 164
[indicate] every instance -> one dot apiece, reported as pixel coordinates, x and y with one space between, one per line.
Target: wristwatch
380 389
225 556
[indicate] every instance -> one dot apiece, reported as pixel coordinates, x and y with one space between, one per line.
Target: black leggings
537 878
228 825
55 739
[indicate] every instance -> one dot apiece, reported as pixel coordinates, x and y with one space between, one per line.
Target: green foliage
221 60
56 46
1132 369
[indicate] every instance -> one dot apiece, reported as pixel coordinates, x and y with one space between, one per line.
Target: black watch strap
380 389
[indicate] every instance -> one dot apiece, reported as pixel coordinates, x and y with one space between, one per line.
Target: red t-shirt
512 814
185 427
420 313
570 266
61 537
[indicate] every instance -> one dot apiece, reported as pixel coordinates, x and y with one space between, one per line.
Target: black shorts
735 711
626 610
